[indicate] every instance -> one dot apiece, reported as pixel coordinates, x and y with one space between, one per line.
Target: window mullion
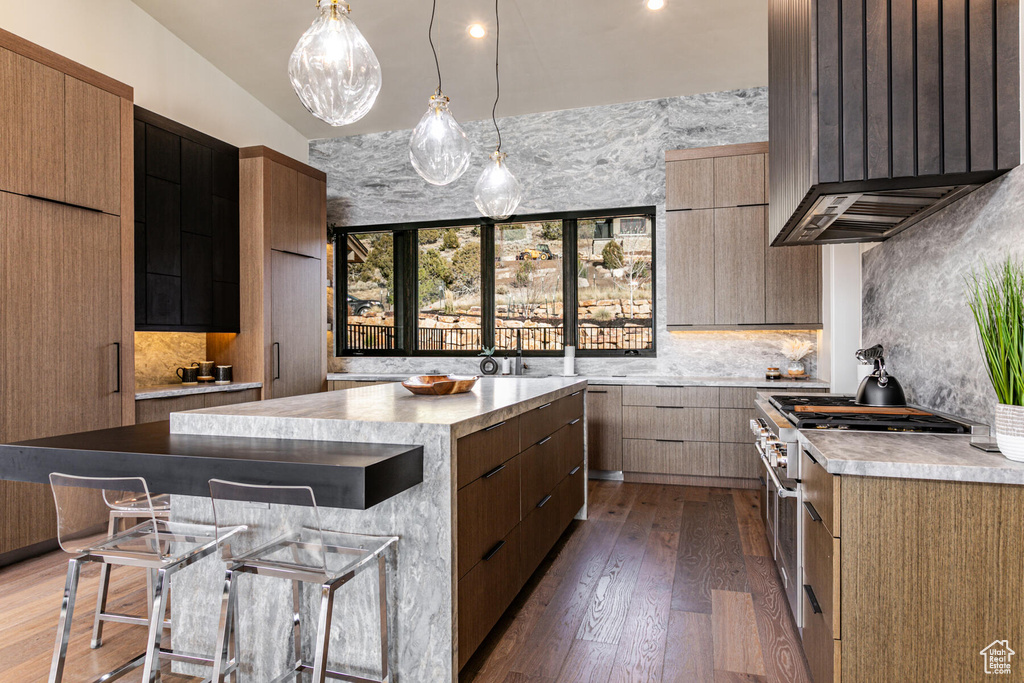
488 296
570 282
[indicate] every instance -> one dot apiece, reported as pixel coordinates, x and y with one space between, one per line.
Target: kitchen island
503 474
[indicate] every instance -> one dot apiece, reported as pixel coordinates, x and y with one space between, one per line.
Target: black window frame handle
811 511
812 598
494 551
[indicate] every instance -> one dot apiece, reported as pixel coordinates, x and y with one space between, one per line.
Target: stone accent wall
159 354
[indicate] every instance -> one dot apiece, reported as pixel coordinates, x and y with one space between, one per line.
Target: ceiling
555 54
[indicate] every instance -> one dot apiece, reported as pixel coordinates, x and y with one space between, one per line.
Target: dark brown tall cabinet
721 272
283 254
65 265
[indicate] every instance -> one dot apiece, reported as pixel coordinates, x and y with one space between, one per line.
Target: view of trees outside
614 263
449 289
371 291
528 286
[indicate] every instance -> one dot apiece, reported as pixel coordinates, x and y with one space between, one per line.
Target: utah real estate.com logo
997 657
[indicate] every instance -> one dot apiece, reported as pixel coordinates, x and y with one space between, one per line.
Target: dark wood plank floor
663 583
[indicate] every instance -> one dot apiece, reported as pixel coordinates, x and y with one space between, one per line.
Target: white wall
117 38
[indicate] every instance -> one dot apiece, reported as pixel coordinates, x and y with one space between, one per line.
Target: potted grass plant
996 298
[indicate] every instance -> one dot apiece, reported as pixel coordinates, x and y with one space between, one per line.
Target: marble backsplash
592 158
914 301
159 354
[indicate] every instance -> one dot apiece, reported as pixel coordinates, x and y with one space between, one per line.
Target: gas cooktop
841 412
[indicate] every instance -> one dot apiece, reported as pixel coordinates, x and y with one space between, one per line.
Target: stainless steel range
780 417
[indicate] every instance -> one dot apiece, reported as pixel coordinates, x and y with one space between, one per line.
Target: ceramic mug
206 368
222 374
189 375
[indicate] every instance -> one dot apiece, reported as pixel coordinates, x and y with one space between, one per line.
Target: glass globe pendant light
438 148
333 69
497 193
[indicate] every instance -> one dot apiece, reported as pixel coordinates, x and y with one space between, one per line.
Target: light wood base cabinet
913 579
604 427
157 409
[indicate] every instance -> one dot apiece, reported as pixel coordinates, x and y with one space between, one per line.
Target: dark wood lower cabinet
510 515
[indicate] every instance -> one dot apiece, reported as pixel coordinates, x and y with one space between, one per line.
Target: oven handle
783 491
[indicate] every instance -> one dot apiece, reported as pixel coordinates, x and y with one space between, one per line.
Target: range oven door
782 526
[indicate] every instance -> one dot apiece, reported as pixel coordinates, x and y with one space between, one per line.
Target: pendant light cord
497 81
430 38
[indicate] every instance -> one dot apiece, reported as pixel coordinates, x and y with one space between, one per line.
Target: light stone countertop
628 380
175 390
492 399
942 457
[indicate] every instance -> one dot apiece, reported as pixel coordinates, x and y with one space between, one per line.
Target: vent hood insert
899 109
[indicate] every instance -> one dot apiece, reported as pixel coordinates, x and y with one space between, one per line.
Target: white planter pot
1010 431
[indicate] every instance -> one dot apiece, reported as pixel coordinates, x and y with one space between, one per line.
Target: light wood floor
663 583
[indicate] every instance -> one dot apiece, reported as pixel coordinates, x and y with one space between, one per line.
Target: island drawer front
539 423
694 458
489 508
674 424
823 653
738 397
571 493
739 460
485 593
821 490
543 467
541 527
821 570
690 397
572 447
734 425
482 451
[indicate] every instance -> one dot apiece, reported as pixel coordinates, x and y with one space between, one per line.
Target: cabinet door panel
93 146
163 154
31 127
196 188
690 242
296 325
739 180
225 240
739 265
284 219
312 216
163 227
163 299
157 409
196 280
792 285
604 428
689 184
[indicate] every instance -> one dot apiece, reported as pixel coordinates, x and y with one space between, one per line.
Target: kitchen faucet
520 366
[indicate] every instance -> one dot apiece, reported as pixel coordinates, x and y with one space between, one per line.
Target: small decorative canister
796 368
772 373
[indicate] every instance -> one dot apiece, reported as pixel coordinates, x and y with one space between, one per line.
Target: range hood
882 113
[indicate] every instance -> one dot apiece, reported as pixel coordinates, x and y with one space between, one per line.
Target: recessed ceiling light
655 4
478 31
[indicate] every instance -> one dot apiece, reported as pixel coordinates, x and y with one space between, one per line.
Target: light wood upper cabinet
739 266
311 233
689 184
690 245
792 284
284 213
739 180
92 146
31 127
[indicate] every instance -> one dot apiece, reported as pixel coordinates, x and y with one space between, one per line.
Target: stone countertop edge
634 380
175 390
939 457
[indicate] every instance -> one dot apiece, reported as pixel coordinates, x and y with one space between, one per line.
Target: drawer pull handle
576 420
813 600
576 393
544 440
487 429
671 407
497 469
669 441
494 551
544 501
574 470
811 511
811 457
597 391
543 406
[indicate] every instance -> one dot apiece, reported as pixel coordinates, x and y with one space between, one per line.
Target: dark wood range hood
884 111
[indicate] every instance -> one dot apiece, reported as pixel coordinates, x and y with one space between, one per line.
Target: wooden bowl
440 385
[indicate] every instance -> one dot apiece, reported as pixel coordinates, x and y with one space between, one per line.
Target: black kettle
879 389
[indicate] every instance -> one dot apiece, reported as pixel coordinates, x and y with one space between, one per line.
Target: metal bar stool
155 544
132 507
283 538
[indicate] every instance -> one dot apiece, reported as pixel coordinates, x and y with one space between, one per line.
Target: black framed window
536 283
